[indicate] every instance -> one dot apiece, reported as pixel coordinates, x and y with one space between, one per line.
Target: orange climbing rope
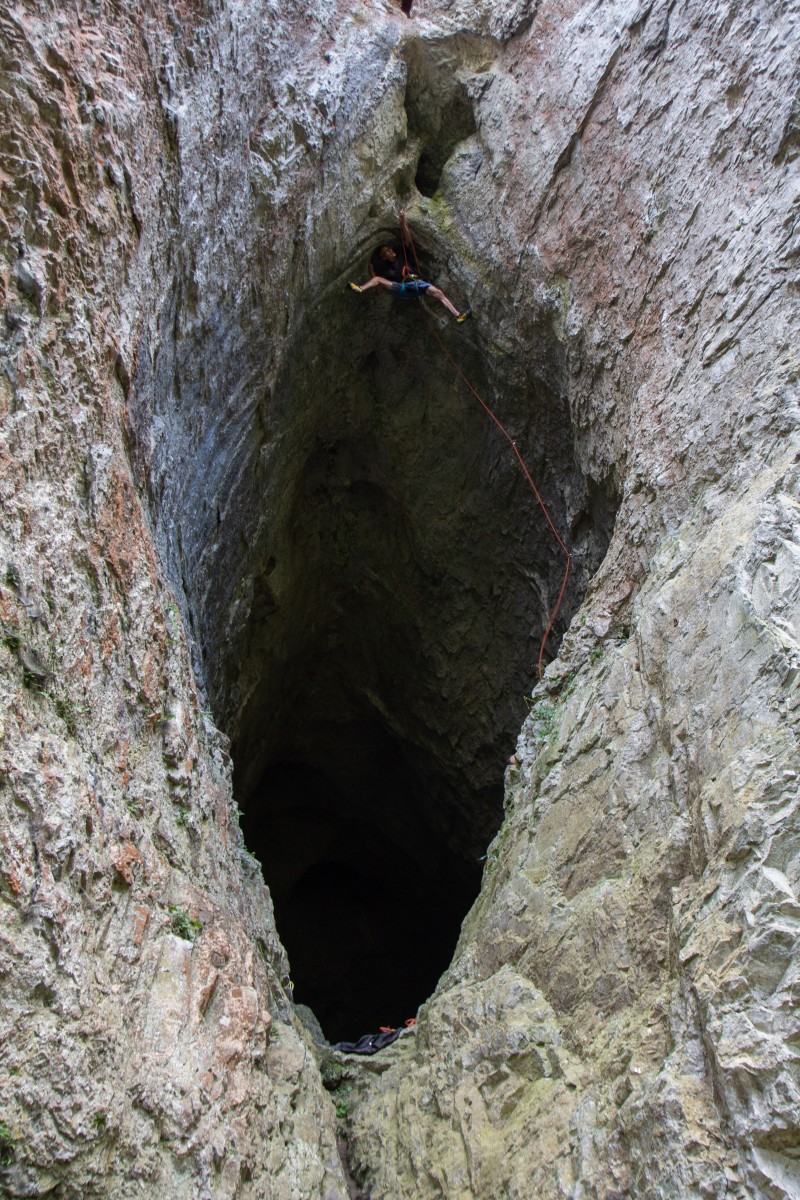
404 229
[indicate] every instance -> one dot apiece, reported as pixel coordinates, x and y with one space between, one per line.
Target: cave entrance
382 630
368 896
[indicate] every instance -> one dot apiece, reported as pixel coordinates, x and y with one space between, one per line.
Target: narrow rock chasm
394 601
368 577
367 573
439 115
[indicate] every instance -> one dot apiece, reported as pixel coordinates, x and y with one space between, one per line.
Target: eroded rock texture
237 496
148 1046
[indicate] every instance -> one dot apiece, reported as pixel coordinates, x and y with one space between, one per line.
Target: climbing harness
404 229
412 286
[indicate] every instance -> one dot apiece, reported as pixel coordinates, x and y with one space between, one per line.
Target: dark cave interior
370 914
366 573
392 608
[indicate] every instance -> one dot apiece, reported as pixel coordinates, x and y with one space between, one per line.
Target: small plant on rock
182 925
544 715
69 712
6 1145
567 684
341 1097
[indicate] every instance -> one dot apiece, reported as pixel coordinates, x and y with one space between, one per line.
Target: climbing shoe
358 289
465 316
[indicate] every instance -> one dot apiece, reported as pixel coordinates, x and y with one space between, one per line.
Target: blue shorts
411 288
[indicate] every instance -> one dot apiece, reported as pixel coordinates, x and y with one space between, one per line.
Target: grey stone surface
148 1044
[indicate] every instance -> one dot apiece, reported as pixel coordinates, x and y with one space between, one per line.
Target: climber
390 274
386 262
387 271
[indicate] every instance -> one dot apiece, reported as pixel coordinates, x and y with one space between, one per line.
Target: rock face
238 497
148 1045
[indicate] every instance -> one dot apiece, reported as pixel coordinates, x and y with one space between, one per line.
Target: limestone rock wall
615 189
619 1018
148 1045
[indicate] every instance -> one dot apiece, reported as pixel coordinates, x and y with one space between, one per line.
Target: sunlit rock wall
620 1017
148 1044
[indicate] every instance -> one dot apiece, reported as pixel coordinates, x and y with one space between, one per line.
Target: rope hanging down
567 556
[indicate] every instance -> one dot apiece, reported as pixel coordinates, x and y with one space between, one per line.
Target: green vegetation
491 858
35 672
544 715
184 926
69 712
340 1097
6 1145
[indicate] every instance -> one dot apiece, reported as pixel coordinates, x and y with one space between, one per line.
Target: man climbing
387 271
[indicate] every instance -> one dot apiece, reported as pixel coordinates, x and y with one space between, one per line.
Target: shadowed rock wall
362 563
